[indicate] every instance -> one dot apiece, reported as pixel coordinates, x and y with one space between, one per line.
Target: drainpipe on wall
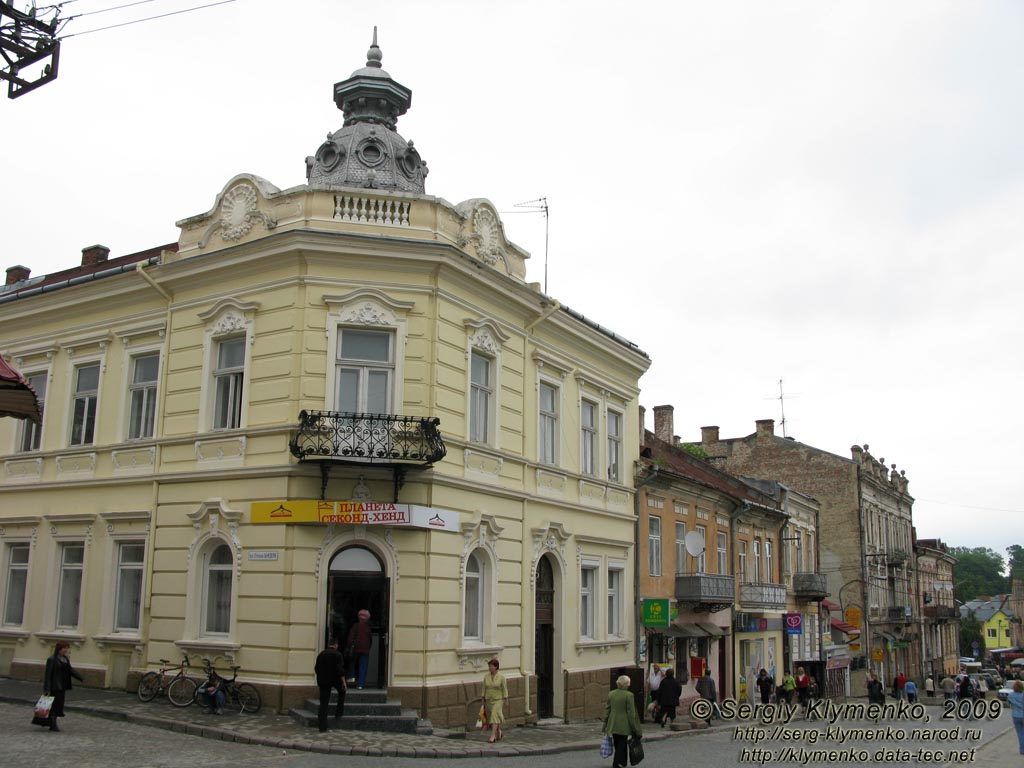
637 624
738 509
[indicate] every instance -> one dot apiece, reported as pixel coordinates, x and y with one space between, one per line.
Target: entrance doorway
356 580
544 642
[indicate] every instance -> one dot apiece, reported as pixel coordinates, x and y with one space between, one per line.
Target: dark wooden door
544 642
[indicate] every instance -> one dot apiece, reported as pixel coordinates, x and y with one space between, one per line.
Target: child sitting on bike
213 691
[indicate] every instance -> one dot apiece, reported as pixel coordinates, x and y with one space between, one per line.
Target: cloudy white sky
825 193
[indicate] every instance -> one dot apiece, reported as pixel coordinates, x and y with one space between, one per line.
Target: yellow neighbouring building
339 396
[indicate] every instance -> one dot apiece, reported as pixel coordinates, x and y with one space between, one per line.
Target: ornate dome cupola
367 151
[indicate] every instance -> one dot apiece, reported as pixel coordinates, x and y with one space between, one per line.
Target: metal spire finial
374 56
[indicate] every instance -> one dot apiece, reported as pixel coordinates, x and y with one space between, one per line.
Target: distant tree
694 449
970 632
979 571
1016 565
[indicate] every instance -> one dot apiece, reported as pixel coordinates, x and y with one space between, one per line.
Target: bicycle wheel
149 686
249 697
181 691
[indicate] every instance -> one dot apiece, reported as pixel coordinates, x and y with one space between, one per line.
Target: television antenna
782 406
540 205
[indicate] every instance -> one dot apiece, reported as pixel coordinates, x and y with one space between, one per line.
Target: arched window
217 591
473 625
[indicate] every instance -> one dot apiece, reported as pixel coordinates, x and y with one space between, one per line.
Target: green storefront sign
655 613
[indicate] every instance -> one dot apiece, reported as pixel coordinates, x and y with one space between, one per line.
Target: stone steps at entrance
365 710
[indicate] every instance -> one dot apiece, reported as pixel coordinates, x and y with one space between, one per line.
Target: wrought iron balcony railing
766 596
810 586
896 613
706 588
360 438
940 612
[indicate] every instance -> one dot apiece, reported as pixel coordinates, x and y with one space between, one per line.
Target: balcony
706 591
376 439
770 597
810 586
895 613
943 612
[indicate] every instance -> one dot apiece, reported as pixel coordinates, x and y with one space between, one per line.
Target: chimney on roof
663 426
708 435
17 273
94 254
765 428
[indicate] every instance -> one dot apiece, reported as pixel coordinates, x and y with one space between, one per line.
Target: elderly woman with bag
621 720
57 680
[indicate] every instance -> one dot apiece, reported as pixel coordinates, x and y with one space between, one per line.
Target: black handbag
636 750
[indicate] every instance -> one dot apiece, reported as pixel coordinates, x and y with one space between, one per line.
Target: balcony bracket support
399 474
325 471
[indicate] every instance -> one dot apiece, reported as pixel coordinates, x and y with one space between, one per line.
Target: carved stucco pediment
482 532
551 538
241 206
214 518
482 234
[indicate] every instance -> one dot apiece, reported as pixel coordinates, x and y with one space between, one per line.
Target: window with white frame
548 425
807 555
142 396
15 584
83 404
588 437
991 633
768 575
227 377
614 602
365 370
32 433
473 619
680 547
654 545
588 606
702 563
757 562
614 436
216 610
723 555
481 393
69 584
742 546
131 556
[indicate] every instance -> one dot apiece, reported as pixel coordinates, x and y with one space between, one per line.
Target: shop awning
684 630
828 605
17 398
713 630
887 636
842 626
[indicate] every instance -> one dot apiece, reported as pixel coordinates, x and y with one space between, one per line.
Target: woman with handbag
57 680
621 720
495 699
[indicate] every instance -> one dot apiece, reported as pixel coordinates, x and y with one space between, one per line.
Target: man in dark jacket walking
330 675
706 689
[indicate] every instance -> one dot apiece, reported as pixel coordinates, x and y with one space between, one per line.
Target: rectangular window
588 582
743 560
142 397
654 545
83 406
588 437
769 576
723 555
69 588
680 547
480 393
807 554
227 413
614 447
757 562
365 368
17 581
128 601
614 602
702 563
991 633
31 433
548 424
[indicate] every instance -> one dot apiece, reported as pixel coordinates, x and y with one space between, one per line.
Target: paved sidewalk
283 732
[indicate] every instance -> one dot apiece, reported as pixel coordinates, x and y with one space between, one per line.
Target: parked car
1005 691
991 681
996 677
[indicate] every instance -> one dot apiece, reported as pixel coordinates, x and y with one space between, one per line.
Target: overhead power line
148 18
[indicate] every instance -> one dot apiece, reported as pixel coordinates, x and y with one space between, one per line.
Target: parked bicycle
180 688
244 695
